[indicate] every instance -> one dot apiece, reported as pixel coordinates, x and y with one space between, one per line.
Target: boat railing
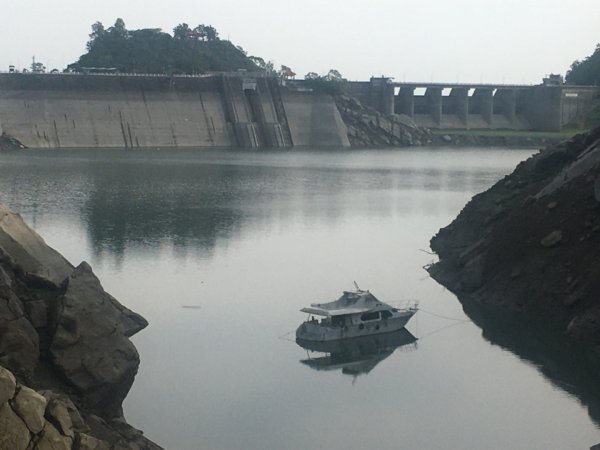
406 305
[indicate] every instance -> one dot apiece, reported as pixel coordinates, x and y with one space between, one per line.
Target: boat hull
311 331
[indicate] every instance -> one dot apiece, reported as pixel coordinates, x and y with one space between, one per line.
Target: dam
222 110
544 107
250 110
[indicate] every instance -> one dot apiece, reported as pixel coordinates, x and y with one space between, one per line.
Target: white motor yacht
355 313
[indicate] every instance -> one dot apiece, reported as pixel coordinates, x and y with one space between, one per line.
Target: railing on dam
131 74
431 84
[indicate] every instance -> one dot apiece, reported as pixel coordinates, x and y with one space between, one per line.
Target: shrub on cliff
150 50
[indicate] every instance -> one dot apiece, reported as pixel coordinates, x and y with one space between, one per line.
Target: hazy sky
512 41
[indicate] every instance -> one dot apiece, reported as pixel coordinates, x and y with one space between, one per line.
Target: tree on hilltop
150 50
332 83
118 28
97 31
207 33
182 32
267 66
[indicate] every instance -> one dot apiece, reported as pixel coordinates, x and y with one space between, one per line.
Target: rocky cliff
530 245
66 361
367 127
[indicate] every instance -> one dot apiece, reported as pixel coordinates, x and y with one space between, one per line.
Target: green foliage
586 72
150 50
267 66
593 118
333 83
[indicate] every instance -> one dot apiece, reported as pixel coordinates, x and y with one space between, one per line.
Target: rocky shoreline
529 248
483 140
66 361
367 128
9 143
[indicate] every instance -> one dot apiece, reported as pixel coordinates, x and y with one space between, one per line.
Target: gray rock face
60 330
37 312
8 385
51 439
29 251
58 414
14 435
86 442
367 127
552 239
30 406
90 345
19 346
597 189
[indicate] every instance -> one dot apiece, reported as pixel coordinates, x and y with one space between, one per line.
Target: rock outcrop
9 143
66 361
369 128
531 244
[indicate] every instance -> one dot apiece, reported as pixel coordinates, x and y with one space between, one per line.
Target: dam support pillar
505 103
460 98
482 103
382 95
405 102
434 97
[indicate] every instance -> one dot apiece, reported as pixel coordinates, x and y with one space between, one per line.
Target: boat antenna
356 285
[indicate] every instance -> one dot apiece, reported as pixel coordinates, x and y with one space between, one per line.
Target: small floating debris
191 306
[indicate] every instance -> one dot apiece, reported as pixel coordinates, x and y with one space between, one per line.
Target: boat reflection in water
357 356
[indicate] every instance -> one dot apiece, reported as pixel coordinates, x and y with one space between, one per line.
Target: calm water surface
219 251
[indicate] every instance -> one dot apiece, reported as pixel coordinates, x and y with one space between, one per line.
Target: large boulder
51 439
36 260
59 330
86 442
63 413
8 385
30 406
14 433
19 346
90 345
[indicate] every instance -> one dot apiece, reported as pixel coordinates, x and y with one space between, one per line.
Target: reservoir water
220 249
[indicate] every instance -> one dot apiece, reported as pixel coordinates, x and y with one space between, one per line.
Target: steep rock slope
66 362
369 128
531 243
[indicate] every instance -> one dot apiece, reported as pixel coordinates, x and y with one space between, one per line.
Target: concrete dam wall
98 111
480 106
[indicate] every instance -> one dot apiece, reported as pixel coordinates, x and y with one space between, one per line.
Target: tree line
190 50
586 72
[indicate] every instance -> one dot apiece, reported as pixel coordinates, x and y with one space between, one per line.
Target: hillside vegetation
586 72
150 50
